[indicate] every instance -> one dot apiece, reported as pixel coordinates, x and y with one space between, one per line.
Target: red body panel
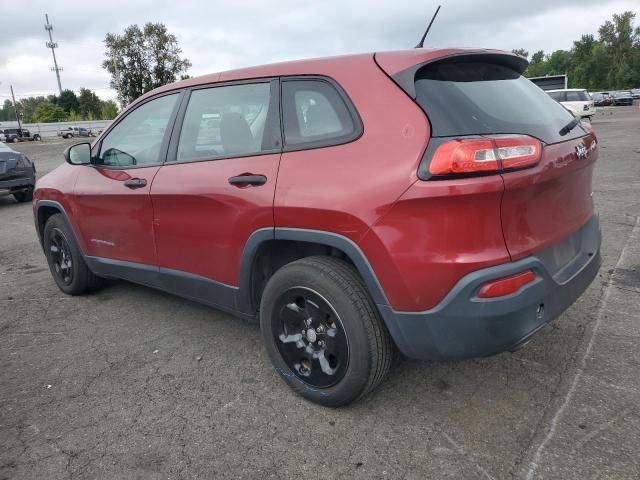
115 221
544 204
202 222
434 235
346 188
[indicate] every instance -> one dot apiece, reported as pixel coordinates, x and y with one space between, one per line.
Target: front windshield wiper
569 126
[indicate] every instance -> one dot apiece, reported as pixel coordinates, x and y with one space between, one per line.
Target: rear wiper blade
569 126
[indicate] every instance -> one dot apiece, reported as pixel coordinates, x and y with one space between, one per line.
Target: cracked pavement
134 383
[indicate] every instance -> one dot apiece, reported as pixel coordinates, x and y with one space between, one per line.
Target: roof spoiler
406 78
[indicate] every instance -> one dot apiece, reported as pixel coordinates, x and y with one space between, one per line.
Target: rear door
111 196
218 184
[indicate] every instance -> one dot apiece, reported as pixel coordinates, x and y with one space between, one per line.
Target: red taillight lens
463 156
507 285
475 155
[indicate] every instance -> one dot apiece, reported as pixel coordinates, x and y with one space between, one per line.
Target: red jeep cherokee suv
430 200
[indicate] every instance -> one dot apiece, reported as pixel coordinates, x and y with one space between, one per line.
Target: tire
24 196
60 246
37 138
15 140
297 292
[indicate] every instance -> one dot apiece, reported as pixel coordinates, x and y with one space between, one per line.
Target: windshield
479 98
579 96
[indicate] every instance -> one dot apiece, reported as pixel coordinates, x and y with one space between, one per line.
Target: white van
575 99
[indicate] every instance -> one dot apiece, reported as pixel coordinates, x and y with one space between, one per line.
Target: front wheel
323 332
15 140
37 138
67 266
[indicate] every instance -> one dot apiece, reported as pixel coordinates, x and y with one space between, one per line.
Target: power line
53 45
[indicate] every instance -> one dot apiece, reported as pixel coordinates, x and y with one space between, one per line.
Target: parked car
17 174
602 99
575 99
16 135
623 98
70 132
353 205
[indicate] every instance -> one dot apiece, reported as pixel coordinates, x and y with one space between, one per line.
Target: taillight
507 285
477 155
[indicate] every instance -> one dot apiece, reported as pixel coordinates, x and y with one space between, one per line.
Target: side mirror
78 154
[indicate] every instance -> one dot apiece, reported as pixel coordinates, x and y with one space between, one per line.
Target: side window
557 96
227 121
136 140
315 114
575 97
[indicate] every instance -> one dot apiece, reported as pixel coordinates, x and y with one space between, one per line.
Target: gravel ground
134 383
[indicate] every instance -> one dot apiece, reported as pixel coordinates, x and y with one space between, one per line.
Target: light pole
15 109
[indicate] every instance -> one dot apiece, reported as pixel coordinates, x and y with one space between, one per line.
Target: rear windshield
579 96
479 98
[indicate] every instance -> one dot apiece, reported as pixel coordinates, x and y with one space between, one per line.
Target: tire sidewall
355 378
59 223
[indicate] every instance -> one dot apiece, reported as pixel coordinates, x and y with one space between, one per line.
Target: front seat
235 134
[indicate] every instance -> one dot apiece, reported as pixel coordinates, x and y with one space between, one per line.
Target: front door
111 196
218 184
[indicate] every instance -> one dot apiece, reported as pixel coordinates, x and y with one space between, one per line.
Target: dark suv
16 135
17 174
433 201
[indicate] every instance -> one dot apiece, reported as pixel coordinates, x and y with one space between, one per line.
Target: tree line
610 61
67 106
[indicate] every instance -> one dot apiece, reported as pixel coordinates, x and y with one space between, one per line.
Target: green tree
48 112
559 62
109 110
521 52
68 101
27 107
142 59
609 61
537 65
6 113
89 105
622 42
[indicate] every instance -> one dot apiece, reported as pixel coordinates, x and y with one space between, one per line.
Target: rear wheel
69 270
37 138
323 332
24 196
15 140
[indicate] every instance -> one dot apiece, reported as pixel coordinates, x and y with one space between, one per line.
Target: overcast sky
219 35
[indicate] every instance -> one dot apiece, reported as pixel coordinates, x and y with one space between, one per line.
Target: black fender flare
346 245
58 206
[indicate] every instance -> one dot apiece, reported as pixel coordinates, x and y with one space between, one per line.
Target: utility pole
15 109
53 45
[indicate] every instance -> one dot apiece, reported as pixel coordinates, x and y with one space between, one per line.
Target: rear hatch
484 96
8 163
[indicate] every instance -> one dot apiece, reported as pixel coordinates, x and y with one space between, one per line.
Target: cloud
218 35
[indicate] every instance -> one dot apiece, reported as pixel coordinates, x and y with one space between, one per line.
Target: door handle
135 183
246 180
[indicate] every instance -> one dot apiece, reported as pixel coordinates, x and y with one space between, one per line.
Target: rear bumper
14 184
465 326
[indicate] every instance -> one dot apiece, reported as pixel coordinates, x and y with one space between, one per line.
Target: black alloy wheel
310 337
61 256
